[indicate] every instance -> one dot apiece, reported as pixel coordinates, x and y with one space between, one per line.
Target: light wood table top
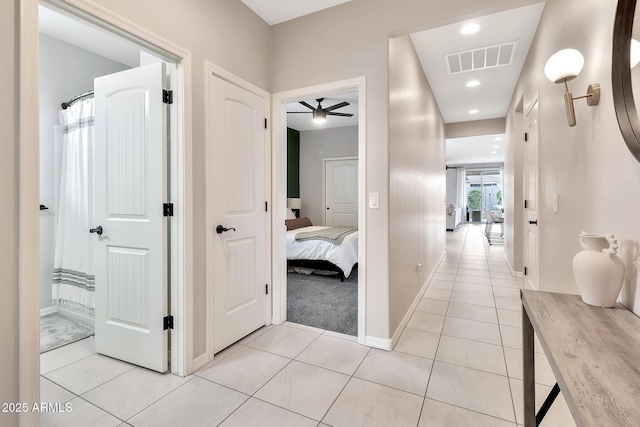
594 353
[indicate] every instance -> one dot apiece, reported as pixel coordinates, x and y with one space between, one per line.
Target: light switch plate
374 200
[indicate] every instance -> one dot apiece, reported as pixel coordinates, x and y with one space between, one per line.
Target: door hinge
525 204
167 322
526 137
265 123
167 96
167 209
266 289
266 206
525 271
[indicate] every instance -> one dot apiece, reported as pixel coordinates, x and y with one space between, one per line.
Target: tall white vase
599 272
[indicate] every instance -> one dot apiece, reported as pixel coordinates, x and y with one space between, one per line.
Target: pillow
451 208
290 214
293 224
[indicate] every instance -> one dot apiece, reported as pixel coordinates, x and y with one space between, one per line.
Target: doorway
29 282
332 91
483 189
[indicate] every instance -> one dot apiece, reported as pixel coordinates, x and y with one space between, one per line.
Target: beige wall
355 35
589 165
474 128
8 212
416 179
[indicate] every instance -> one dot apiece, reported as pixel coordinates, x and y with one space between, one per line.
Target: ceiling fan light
319 116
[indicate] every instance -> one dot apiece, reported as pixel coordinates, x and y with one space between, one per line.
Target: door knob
534 222
97 230
221 229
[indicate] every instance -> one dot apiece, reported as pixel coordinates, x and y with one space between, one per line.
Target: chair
494 218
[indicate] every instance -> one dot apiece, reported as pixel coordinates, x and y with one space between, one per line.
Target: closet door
131 251
341 192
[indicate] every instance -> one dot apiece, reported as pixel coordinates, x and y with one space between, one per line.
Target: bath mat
57 331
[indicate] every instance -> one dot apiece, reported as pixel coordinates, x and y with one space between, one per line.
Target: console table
594 354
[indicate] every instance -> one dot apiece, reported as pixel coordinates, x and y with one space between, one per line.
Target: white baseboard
381 343
511 270
48 310
416 301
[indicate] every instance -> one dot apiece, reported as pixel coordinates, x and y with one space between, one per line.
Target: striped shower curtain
73 275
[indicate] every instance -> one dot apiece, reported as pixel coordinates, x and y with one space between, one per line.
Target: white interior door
236 202
341 193
131 252
531 198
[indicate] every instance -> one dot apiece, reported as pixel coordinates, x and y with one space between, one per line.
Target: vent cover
479 59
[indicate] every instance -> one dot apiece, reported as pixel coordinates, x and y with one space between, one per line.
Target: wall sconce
565 65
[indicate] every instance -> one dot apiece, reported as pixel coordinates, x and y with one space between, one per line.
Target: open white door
341 192
131 252
531 198
236 212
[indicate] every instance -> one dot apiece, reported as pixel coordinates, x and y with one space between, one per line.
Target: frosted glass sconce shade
635 53
565 64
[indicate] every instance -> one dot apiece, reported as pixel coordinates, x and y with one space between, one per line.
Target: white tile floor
458 363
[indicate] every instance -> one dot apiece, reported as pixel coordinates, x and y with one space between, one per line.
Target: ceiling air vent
484 57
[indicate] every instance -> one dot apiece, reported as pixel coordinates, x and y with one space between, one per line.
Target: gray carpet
57 330
323 302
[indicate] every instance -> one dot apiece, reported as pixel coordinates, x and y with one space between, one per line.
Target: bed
320 254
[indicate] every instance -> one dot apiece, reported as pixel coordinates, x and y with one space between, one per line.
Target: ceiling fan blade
339 114
335 107
307 105
299 112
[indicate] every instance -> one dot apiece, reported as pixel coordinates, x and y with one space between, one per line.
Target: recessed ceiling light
470 28
474 111
473 83
498 138
494 152
495 146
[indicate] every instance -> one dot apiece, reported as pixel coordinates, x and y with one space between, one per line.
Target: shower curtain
73 275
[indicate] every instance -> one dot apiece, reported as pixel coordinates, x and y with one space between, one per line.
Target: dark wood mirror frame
623 101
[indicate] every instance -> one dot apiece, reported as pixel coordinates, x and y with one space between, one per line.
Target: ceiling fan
320 114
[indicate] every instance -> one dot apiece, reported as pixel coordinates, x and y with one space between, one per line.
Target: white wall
9 212
589 165
65 71
452 186
315 146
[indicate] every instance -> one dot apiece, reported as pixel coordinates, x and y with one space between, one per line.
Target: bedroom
322 191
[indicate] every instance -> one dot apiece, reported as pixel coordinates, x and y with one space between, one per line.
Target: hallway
457 363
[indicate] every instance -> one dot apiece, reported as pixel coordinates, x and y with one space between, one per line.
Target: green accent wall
293 163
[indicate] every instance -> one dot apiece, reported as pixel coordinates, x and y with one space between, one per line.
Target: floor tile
133 391
438 414
506 292
473 279
50 392
426 322
303 327
81 414
246 370
509 318
255 412
511 337
507 283
335 354
341 336
418 343
66 355
284 341
433 306
543 375
473 289
445 276
88 373
398 370
472 354
471 389
197 403
304 389
558 415
472 312
441 284
471 298
514 304
363 403
472 272
252 336
439 294
472 330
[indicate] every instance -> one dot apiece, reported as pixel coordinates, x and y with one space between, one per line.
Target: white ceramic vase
599 272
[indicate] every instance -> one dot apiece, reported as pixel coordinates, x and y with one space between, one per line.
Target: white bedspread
344 255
